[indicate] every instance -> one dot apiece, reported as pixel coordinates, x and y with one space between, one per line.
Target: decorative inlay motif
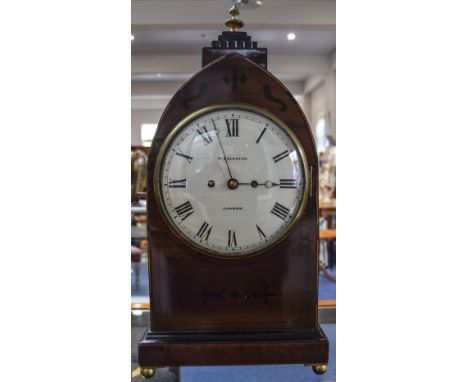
262 294
235 78
267 91
200 93
211 296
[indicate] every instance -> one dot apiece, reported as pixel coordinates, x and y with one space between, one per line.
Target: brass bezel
173 134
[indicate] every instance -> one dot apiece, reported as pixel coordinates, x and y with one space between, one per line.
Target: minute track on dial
226 199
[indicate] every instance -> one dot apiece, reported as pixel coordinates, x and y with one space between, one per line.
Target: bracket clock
233 220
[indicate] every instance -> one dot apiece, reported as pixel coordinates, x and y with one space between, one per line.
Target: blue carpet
327 289
264 373
140 289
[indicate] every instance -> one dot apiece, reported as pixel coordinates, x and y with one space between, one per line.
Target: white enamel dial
232 180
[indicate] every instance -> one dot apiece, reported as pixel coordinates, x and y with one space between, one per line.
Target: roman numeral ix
288 183
280 156
232 127
205 135
182 183
232 242
279 210
204 231
184 210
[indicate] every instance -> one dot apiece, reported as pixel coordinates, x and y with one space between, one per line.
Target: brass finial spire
234 23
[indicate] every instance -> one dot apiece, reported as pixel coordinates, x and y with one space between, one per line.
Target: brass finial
234 23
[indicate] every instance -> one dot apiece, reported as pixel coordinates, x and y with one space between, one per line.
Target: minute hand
222 149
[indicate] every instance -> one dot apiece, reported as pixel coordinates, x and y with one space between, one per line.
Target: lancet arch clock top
233 219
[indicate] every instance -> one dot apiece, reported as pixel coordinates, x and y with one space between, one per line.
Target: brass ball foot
147 372
320 369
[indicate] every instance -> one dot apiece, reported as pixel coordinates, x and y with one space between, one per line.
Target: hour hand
224 156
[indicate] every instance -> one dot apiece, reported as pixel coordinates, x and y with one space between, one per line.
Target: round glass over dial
231 180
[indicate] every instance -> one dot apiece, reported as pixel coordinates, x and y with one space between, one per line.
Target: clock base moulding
309 347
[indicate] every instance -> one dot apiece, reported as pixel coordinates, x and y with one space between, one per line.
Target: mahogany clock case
260 309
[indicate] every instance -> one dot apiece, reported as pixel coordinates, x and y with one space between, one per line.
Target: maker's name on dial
233 158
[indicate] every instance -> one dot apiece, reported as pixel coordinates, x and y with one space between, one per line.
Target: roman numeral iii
204 231
205 135
288 183
232 127
182 183
280 156
279 210
232 242
184 210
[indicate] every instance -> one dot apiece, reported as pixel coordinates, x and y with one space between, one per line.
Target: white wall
139 117
323 102
150 99
316 104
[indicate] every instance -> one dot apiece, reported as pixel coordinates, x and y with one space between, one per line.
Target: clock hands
255 184
232 183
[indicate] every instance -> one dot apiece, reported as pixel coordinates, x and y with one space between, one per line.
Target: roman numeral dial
232 241
204 231
261 233
231 181
184 210
203 132
281 211
261 135
280 156
182 183
232 126
288 183
181 154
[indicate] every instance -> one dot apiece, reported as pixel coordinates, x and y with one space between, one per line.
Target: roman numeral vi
232 242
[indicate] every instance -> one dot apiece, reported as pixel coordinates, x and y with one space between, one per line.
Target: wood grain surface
274 292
